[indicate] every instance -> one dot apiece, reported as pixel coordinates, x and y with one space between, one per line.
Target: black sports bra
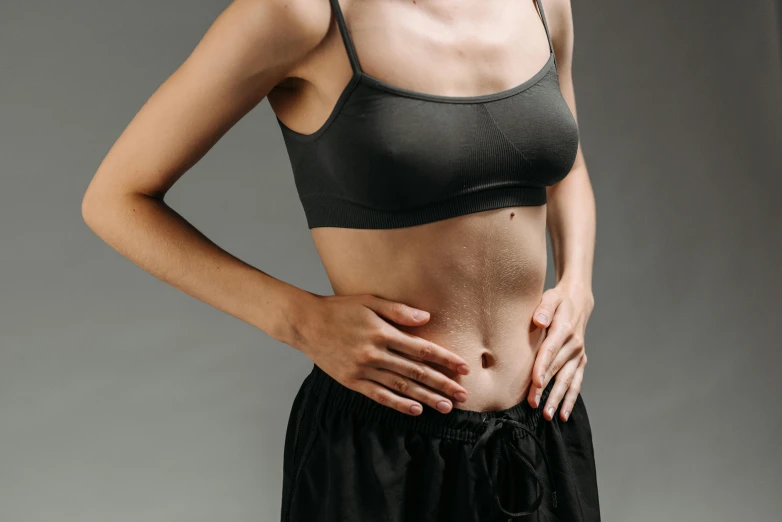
389 157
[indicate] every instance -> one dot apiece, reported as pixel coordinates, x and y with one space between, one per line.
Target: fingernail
464 369
551 410
537 399
415 409
460 396
567 413
443 406
419 315
541 318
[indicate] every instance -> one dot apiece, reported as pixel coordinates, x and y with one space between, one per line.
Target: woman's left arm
571 220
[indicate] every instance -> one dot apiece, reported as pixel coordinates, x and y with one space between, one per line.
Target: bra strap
343 30
545 26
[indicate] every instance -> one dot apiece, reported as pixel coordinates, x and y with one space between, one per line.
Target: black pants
350 459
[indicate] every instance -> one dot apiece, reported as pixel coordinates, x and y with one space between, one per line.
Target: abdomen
480 276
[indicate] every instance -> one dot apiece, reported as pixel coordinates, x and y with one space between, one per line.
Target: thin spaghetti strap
545 26
343 30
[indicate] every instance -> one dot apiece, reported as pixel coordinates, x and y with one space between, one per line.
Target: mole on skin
512 214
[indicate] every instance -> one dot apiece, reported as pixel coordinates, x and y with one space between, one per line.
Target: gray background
123 399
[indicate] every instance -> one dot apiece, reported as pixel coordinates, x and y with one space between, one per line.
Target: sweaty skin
480 275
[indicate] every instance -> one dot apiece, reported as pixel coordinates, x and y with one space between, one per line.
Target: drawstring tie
494 424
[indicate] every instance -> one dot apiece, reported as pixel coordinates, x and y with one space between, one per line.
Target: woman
431 145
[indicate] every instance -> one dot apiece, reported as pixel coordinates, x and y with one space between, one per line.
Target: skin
478 278
571 215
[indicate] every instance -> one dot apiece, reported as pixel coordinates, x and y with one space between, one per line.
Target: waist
479 276
499 344
459 424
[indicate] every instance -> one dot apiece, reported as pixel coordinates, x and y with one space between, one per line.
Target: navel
486 360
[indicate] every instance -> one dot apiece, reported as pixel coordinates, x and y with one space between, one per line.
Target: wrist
294 310
578 289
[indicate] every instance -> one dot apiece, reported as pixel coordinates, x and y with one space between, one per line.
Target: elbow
106 204
90 209
96 208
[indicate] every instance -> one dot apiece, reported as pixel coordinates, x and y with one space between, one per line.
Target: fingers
572 394
410 388
382 395
564 381
552 357
397 312
421 373
423 350
560 332
549 303
413 346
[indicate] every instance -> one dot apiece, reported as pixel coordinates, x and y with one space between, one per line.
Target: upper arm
560 19
248 49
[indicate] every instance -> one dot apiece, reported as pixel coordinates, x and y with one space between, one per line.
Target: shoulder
559 17
265 38
291 24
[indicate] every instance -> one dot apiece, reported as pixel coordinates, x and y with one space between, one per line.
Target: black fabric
350 459
390 157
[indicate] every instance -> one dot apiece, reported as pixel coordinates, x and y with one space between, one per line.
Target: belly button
486 360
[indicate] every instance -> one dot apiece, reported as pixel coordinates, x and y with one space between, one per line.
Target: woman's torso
480 274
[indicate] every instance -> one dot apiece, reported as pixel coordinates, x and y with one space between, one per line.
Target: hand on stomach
480 277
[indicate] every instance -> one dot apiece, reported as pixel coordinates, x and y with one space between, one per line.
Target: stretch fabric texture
350 459
389 157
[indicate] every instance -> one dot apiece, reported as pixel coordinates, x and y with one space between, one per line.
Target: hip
347 455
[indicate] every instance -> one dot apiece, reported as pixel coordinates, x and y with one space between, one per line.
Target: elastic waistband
459 424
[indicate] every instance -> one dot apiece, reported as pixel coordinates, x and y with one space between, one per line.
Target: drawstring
494 425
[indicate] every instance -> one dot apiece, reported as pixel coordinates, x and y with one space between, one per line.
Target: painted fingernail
551 410
541 318
460 396
443 406
415 409
566 414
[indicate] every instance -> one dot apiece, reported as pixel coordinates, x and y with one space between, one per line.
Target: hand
348 338
565 311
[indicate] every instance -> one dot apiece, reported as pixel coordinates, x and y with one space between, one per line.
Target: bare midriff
480 276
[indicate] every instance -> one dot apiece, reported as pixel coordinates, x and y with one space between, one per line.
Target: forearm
571 219
160 241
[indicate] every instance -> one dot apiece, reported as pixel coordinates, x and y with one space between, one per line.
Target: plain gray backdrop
124 399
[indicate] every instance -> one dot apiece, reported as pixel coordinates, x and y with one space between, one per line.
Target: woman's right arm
250 48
